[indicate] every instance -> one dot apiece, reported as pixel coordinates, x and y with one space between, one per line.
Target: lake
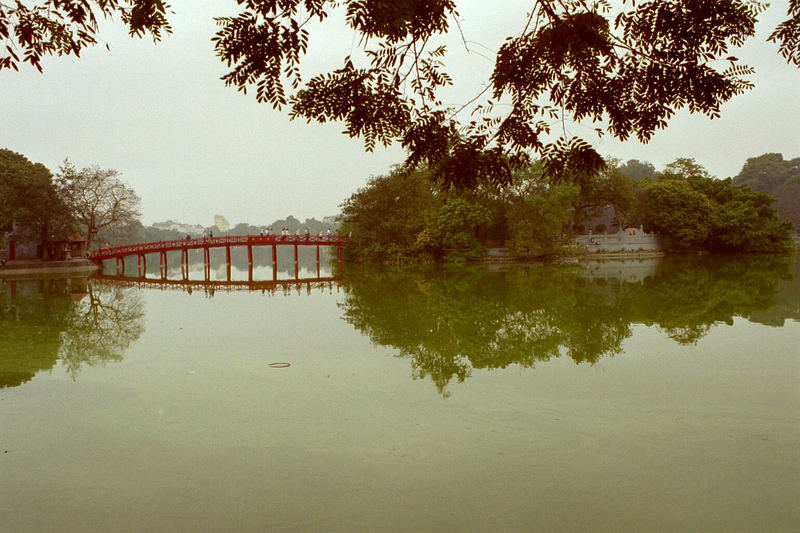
644 395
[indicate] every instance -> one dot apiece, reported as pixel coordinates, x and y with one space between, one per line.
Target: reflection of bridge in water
286 286
141 250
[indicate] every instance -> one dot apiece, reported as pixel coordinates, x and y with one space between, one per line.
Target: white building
221 223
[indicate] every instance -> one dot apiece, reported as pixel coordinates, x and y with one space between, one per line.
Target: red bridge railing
114 252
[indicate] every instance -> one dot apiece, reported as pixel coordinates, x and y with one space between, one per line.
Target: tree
458 221
779 178
394 217
636 170
98 199
768 172
674 209
693 210
538 221
611 187
631 67
29 197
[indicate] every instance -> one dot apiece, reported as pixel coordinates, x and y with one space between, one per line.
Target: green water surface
651 395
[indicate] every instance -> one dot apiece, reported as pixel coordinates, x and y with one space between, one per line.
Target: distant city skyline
192 148
196 228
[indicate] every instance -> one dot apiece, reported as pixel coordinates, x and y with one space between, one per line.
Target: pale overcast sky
192 148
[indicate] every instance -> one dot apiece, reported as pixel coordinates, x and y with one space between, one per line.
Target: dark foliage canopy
29 197
629 66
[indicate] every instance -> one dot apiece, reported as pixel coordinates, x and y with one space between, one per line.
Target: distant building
195 230
221 223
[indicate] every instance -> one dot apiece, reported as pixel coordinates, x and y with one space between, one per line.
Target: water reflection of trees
100 327
450 321
43 321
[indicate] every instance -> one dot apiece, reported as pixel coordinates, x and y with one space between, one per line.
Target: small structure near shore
627 240
21 243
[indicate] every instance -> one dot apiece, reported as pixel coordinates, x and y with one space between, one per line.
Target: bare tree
98 198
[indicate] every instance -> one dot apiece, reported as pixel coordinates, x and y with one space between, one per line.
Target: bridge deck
215 242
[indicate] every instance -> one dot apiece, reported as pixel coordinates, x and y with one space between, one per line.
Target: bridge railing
210 242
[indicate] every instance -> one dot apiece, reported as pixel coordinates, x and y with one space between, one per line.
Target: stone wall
627 240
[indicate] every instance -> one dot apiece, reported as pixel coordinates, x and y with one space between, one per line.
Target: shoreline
500 255
27 267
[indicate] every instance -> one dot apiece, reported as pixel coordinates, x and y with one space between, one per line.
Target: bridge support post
274 271
185 263
339 254
228 257
274 255
162 263
295 256
116 265
207 263
250 255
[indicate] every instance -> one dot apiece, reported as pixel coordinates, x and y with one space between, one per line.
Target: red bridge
140 250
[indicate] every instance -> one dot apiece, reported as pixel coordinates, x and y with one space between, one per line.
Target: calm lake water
653 395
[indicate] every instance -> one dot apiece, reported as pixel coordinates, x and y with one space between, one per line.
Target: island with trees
405 217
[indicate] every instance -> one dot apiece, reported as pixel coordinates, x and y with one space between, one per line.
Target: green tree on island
403 217
778 177
696 211
30 197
